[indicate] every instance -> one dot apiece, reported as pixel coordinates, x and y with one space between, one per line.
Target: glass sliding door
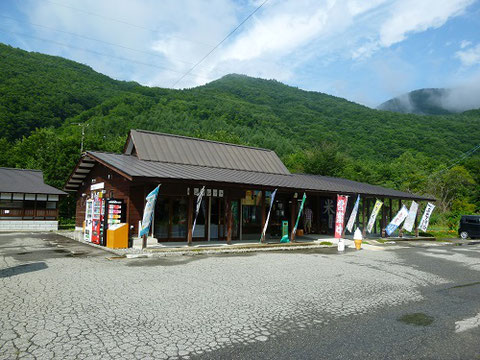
170 218
178 218
161 224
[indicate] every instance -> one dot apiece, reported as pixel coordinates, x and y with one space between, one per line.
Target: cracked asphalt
63 299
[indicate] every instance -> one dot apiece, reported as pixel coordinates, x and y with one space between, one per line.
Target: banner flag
397 220
353 215
294 231
412 214
373 216
148 211
340 216
197 208
272 198
426 217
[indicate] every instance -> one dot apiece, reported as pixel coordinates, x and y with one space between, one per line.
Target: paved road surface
63 299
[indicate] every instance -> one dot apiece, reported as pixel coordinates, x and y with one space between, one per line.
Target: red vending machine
97 220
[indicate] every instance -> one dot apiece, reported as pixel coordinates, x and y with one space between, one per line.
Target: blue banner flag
148 212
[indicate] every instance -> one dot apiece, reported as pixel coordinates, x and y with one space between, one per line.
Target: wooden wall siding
116 184
137 204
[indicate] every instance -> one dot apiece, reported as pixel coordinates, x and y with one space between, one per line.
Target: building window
51 205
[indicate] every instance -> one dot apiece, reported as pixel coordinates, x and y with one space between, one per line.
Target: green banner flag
299 214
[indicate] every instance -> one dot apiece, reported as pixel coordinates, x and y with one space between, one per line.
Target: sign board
99 186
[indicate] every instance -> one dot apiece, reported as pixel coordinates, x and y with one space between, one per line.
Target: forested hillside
44 98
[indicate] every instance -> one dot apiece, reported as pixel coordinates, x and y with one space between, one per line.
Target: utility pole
83 125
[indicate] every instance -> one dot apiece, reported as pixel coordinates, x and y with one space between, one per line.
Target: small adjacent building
238 180
26 202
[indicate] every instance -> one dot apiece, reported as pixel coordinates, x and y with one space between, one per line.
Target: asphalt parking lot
64 299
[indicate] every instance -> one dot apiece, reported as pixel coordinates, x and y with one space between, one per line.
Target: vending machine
87 234
97 220
115 213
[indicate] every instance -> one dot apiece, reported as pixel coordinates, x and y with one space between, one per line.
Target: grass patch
326 243
382 241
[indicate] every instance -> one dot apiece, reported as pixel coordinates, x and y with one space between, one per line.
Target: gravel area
64 299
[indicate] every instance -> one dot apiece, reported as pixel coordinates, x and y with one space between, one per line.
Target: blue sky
365 51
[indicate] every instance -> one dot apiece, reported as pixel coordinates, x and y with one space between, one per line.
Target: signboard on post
426 217
340 216
373 216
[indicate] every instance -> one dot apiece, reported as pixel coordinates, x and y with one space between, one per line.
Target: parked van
469 226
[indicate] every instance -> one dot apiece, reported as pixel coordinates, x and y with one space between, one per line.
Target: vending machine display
87 235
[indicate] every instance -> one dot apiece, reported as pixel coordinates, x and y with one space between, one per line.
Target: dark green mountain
433 102
44 98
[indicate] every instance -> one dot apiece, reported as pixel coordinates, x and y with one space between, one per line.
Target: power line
92 39
460 159
220 43
97 53
122 22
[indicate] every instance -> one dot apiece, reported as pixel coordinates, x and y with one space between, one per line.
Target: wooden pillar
384 219
293 208
228 208
391 210
190 212
264 217
364 223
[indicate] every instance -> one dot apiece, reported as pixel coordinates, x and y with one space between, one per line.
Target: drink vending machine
115 213
87 234
97 219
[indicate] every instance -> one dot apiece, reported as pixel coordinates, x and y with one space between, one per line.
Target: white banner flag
197 209
412 214
272 198
397 220
426 217
373 216
353 215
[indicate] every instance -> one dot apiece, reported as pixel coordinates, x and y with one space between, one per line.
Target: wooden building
239 181
26 202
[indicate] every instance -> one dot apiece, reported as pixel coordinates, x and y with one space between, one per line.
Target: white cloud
469 56
279 41
412 16
464 44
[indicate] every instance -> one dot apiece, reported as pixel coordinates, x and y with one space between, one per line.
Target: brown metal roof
135 168
175 149
25 181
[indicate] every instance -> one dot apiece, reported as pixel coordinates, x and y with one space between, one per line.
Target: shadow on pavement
22 269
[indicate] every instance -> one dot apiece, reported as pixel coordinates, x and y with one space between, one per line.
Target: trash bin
117 236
